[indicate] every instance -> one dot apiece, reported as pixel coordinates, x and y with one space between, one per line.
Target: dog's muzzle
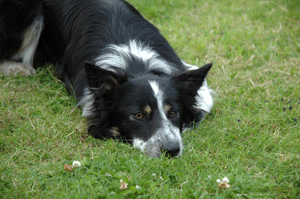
169 143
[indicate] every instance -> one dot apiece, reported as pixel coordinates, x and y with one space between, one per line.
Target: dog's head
149 111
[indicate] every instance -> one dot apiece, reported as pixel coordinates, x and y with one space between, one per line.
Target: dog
127 78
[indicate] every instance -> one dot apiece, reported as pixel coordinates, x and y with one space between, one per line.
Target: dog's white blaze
118 56
167 132
167 126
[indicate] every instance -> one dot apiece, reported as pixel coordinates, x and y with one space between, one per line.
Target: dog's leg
26 53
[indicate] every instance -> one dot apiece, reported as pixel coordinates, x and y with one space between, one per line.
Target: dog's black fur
125 75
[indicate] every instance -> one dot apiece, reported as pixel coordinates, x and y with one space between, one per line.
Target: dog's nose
172 149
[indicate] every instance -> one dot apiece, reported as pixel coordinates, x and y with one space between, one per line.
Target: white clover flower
137 187
76 164
225 180
224 183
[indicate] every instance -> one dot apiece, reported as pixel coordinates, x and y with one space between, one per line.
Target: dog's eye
158 73
139 115
173 114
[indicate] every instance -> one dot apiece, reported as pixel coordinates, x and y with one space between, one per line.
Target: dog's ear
188 84
100 78
98 104
190 81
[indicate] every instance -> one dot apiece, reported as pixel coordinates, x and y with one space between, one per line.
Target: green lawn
252 136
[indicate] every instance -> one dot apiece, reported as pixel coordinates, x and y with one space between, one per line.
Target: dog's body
127 78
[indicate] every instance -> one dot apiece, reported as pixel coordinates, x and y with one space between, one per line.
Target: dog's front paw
16 68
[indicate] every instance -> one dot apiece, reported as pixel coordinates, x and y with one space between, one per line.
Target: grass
252 136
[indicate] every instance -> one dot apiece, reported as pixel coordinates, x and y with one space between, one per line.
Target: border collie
128 80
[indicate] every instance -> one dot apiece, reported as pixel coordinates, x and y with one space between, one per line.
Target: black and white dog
127 78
